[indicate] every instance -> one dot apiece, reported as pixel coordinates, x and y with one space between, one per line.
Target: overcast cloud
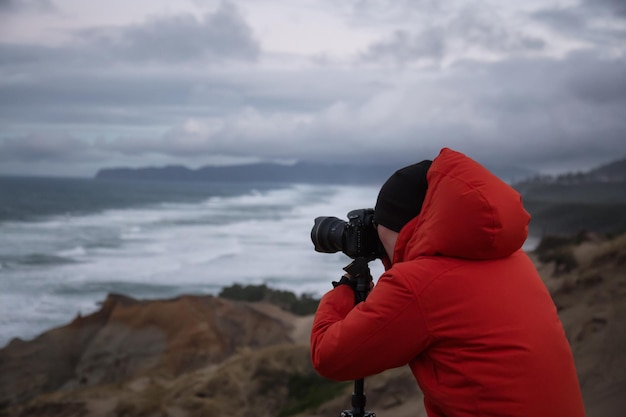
539 85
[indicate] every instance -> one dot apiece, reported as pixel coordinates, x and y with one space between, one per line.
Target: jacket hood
467 213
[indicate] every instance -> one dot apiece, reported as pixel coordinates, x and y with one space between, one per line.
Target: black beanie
401 197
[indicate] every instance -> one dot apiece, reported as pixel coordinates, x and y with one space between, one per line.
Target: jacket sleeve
385 331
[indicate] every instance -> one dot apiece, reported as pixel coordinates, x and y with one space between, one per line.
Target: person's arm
386 331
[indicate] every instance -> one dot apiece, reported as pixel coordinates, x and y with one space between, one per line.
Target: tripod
360 271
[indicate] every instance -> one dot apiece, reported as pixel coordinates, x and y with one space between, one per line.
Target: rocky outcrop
128 338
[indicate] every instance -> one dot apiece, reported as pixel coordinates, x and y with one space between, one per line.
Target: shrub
303 305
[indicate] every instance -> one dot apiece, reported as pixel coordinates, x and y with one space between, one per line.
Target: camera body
357 238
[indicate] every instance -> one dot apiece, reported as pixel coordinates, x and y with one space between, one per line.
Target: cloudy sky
85 84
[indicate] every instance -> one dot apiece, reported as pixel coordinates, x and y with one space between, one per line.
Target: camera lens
327 234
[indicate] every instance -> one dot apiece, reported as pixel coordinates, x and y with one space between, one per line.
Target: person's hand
347 275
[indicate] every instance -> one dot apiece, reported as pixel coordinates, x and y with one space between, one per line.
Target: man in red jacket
459 302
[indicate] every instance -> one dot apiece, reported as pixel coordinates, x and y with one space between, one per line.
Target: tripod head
359 270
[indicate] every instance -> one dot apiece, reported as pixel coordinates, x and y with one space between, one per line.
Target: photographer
459 302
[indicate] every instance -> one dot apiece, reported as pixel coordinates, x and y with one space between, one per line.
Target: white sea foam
75 252
169 249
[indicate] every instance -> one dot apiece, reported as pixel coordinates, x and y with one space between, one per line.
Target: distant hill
563 204
615 171
568 203
260 172
302 172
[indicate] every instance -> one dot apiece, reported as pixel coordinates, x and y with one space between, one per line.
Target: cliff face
206 356
127 338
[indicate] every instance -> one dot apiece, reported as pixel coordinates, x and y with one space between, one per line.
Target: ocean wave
67 262
101 288
77 251
41 259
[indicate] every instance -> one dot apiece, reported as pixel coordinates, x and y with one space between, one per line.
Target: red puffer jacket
462 304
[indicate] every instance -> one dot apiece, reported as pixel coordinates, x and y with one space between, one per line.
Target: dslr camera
357 238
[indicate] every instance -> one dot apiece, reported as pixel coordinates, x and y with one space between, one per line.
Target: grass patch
309 391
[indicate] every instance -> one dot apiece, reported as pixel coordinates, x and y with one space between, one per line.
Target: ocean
66 243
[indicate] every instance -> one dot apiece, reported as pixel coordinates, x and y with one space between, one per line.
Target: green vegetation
303 305
309 391
287 379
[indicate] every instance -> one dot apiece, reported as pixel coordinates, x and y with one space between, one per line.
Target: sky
84 85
